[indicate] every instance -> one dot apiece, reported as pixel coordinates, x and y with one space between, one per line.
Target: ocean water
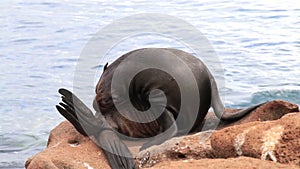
258 44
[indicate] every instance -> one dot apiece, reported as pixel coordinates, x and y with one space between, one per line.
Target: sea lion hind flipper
82 118
74 110
84 115
115 150
70 117
74 100
82 124
170 129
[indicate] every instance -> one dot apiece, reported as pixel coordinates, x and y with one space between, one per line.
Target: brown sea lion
119 106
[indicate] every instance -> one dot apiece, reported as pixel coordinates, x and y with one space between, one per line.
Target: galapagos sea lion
139 93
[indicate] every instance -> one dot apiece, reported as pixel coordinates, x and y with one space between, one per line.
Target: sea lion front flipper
219 108
227 116
115 150
169 126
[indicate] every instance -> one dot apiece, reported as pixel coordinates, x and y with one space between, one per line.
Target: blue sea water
258 44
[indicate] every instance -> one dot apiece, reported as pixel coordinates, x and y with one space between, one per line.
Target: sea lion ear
105 67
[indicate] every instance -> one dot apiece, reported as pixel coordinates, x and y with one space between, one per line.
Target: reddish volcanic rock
68 149
276 140
230 163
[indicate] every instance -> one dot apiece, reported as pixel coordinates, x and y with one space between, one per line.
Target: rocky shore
269 137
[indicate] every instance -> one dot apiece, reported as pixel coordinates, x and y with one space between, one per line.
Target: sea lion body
146 81
155 90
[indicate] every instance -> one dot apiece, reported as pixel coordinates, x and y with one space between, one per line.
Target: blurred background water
258 44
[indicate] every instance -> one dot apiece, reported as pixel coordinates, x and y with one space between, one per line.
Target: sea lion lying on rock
150 92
